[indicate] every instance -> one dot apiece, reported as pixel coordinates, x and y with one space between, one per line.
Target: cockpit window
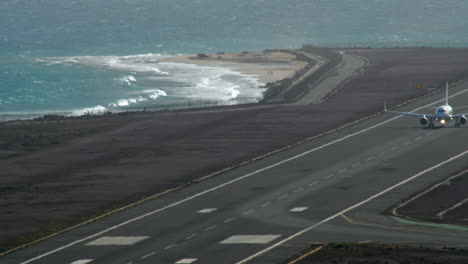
441 110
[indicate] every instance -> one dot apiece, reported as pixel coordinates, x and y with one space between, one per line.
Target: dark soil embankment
54 173
444 202
383 254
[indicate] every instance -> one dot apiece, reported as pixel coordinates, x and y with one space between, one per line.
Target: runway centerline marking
418 138
370 158
248 212
245 176
341 171
282 197
353 207
329 176
395 147
357 164
266 204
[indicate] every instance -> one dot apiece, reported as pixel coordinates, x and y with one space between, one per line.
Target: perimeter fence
92 113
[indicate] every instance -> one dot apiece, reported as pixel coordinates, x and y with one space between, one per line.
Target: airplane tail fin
446 94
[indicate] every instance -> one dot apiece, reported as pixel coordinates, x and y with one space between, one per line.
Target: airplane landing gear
457 124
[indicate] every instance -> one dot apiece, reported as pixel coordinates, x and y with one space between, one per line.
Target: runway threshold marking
353 207
117 241
299 209
186 261
232 181
250 239
206 210
82 261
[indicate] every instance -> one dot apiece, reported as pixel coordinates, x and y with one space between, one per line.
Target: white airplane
443 114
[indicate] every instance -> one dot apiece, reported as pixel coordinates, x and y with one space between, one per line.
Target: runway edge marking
352 207
217 187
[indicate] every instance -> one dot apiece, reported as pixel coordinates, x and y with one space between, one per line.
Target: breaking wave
97 110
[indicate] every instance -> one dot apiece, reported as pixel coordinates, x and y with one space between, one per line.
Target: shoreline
267 66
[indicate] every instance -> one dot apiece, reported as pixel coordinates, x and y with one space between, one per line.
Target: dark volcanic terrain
56 173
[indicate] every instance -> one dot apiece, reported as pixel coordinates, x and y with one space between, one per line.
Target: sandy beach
267 66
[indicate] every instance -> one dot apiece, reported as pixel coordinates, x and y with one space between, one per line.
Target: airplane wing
411 114
408 113
460 107
460 115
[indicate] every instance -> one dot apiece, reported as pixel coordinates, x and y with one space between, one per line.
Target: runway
274 207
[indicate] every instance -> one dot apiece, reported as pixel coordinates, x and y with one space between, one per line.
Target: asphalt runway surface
272 208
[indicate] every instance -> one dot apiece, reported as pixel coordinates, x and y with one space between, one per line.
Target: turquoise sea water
72 56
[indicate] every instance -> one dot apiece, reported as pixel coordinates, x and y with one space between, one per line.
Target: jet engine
424 121
463 120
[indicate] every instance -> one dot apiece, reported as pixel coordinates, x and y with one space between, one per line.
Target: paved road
320 191
349 68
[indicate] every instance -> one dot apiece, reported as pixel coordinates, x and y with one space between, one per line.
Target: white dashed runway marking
170 246
206 210
191 236
148 255
312 184
186 261
250 239
282 197
82 261
117 241
299 209
298 190
211 227
229 220
248 212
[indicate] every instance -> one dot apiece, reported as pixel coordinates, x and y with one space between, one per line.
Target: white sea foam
135 100
184 82
157 93
97 110
134 63
128 80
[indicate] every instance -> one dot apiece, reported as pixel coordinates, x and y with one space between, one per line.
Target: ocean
79 56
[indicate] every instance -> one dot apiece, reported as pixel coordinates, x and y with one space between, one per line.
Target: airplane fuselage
444 113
